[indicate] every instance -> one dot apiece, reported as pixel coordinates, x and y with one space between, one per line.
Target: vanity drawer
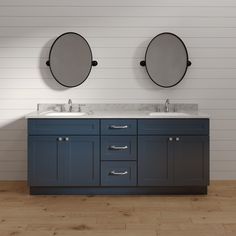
173 127
118 148
63 127
118 173
118 127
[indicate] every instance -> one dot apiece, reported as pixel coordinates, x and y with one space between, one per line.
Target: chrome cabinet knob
60 139
67 139
177 139
170 139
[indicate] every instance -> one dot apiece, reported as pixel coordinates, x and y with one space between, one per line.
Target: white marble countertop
118 114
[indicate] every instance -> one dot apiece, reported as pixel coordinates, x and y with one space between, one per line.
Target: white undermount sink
168 114
65 114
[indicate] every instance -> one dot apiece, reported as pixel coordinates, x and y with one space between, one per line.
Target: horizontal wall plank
129 93
11 135
227 154
107 32
117 22
13 175
223 175
217 104
222 165
115 83
223 134
114 3
124 41
223 124
221 114
12 145
13 155
13 166
119 73
13 124
158 11
130 53
223 145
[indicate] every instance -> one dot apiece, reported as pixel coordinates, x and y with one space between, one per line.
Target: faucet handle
158 108
79 107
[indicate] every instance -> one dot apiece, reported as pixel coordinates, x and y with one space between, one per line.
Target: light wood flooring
25 215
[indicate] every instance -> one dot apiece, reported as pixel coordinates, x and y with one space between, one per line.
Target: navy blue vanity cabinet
173 152
57 158
118 156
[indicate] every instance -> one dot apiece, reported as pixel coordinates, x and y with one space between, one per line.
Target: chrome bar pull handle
113 147
118 126
113 172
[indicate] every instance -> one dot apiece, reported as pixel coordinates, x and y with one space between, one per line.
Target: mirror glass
70 59
166 60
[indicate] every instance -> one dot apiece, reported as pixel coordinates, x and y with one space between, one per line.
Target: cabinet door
82 162
191 157
154 161
44 168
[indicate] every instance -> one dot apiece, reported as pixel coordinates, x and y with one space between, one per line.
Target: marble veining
89 108
176 110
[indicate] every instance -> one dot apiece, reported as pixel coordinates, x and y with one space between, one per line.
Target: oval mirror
70 59
166 60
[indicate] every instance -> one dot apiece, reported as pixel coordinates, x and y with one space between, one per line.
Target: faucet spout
167 105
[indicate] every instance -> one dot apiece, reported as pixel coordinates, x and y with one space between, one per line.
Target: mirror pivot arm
94 63
142 63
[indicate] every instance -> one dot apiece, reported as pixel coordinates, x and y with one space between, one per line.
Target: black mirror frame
188 62
93 63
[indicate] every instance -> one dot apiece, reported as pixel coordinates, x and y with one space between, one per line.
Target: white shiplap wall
118 32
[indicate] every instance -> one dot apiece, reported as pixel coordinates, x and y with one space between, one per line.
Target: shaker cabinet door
82 162
154 161
191 157
44 162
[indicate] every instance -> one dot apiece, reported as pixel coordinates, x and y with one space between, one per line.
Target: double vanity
118 149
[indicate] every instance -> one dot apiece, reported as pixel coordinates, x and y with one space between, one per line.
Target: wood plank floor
25 215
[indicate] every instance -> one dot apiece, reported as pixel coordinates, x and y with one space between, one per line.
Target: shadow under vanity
119 149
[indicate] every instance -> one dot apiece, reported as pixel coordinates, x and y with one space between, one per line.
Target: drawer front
118 127
63 127
118 148
173 127
118 173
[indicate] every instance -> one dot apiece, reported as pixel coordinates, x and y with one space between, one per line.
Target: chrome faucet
70 105
167 105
